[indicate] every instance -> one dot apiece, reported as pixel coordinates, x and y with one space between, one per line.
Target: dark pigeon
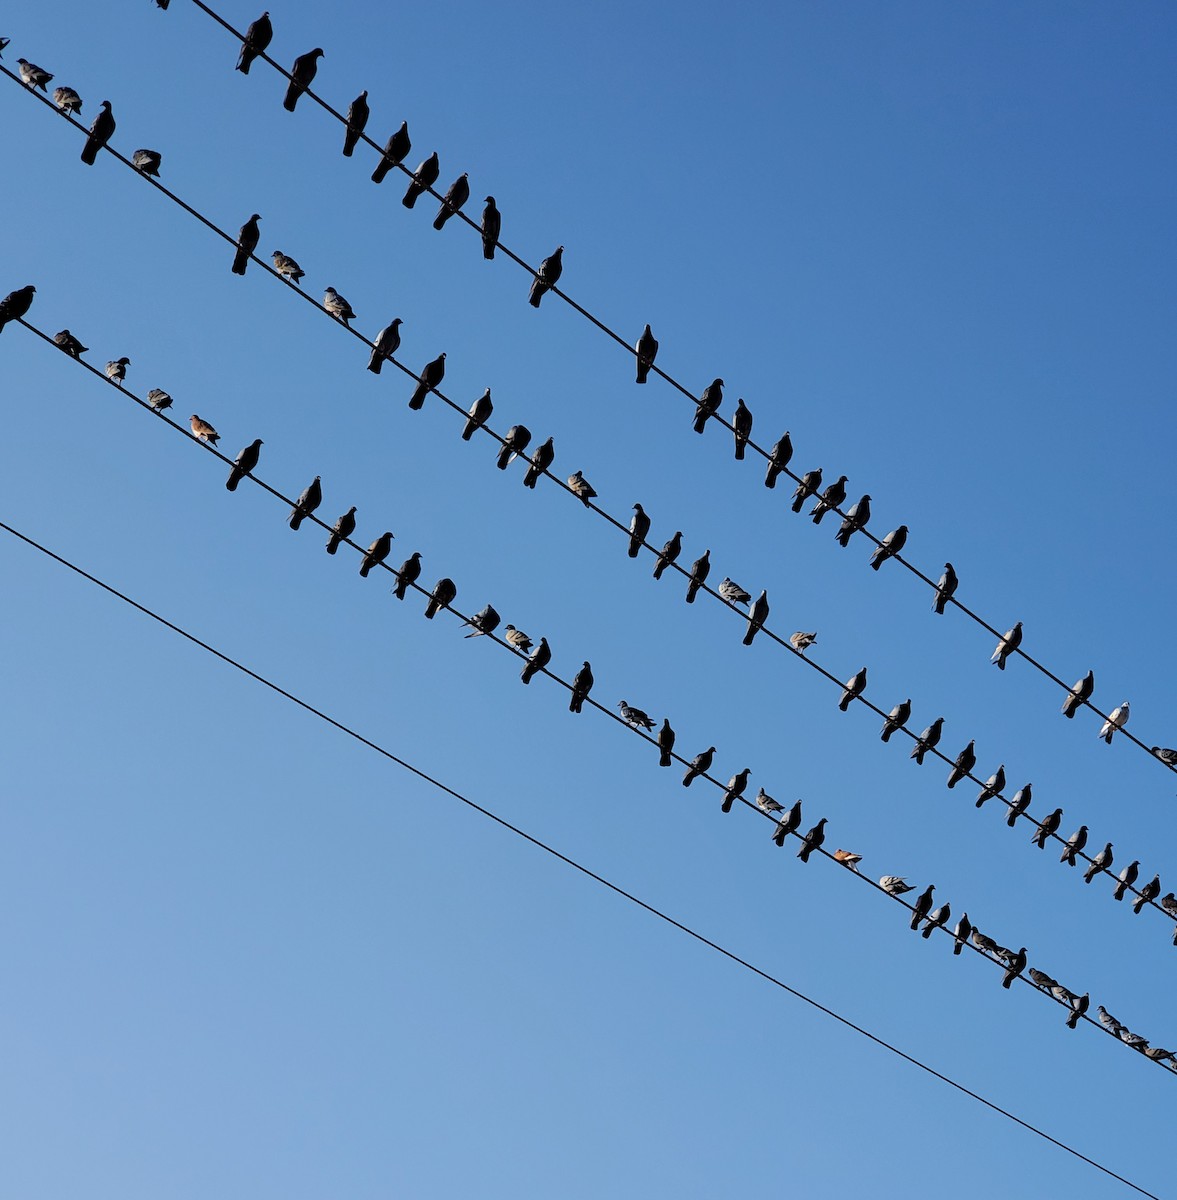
376 553
424 177
247 241
700 569
807 487
540 657
961 932
387 343
735 788
1101 862
945 589
301 76
410 571
516 441
966 760
1127 879
638 528
833 497
922 906
582 684
1008 644
547 277
1018 804
668 554
741 426
927 740
890 546
993 786
484 622
708 404
1016 967
812 840
700 765
478 416
853 688
778 459
541 460
431 375
70 344
457 195
492 224
444 593
311 498
1046 828
788 824
646 351
147 162
257 39
343 529
855 520
357 120
757 615
665 743
1148 894
246 461
395 150
1075 843
936 918
896 719
100 133
1078 695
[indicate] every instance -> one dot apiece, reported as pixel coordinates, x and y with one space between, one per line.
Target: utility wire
615 717
674 383
568 861
621 527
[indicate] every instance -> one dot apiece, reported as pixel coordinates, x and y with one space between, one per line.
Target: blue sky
246 957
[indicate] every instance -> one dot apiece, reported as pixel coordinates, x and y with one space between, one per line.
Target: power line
674 383
567 860
618 525
570 687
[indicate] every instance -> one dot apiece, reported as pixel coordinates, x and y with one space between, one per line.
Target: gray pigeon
388 342
159 399
33 75
424 177
257 38
668 554
994 785
984 943
337 306
806 487
896 719
492 223
732 592
394 153
1101 862
1167 756
1148 894
1079 695
581 488
1127 879
483 622
541 460
1016 967
634 716
547 277
410 571
928 740
966 760
936 918
646 351
853 688
311 498
540 657
147 162
665 743
431 376
517 439
889 547
70 344
458 194
245 462
357 120
700 765
735 788
247 241
922 906
1047 827
945 589
1040 979
116 370
67 100
700 569
478 416
1075 843
101 132
376 553
708 404
856 519
831 498
742 427
302 74
1018 804
767 804
757 615
778 459
812 840
1008 644
287 267
1108 1021
639 526
788 824
444 593
1079 1006
961 932
343 529
582 684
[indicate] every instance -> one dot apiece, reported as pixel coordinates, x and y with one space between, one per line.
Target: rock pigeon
70 344
287 267
668 554
767 804
357 120
778 459
1040 979
458 194
855 520
116 370
742 427
735 788
665 743
788 824
1101 862
101 132
203 430
424 177
342 530
376 553
483 622
700 569
257 39
147 162
895 885
1167 756
516 639
159 399
1011 640
388 342
1079 1006
639 526
700 765
247 241
431 376
581 488
966 760
890 546
394 153
1148 894
994 786
646 351
945 589
302 74
541 460
1078 695
1047 827
582 684
33 75
732 592
1019 804
1016 967
444 593
245 462
547 277
1117 719
338 307
928 740
936 918
407 575
812 840
896 719
517 440
848 859
985 944
1075 843
634 716
478 416
311 498
807 487
757 615
67 100
1169 904
801 641
922 906
539 659
1127 879
708 403
961 932
831 498
492 223
1108 1021
853 688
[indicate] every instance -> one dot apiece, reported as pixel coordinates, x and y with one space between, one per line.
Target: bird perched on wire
788 824
895 885
540 657
376 553
159 399
1075 843
116 370
67 100
993 786
342 530
478 415
853 688
848 859
582 684
889 547
1010 641
928 740
483 622
1040 979
896 719
444 593
634 716
1148 893
767 804
668 554
646 351
778 459
517 440
966 760
1047 827
1117 719
1079 1005
70 344
708 404
357 121
732 592
147 162
203 430
311 498
547 276
407 575
1019 804
337 306
812 840
1079 695
1127 879
302 74
700 569
1108 1021
247 240
458 194
1101 862
541 460
741 427
244 464
700 765
806 487
735 788
1016 966
387 343
665 743
985 943
257 39
945 589
101 131
1169 903
33 75
516 639
757 615
936 918
287 267
424 177
961 932
801 641
1167 756
831 498
431 376
922 906
492 223
639 526
394 153
581 488
855 520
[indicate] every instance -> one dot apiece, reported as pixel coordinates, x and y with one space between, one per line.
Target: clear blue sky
244 957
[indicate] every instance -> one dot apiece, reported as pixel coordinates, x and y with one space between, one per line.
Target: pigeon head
316 53
490 199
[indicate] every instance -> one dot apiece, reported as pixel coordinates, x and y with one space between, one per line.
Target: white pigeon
1117 720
